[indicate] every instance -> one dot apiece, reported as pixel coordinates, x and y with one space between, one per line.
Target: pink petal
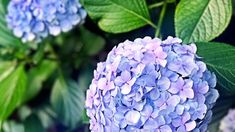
188 93
126 89
190 126
173 100
102 83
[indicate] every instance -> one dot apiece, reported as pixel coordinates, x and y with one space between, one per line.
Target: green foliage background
42 86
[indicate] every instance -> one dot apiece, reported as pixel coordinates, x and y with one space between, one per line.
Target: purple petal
179 109
154 94
187 93
165 128
203 87
188 84
173 89
160 120
125 76
102 83
181 129
138 56
190 126
54 30
118 81
176 122
164 83
147 111
186 116
148 58
126 89
132 117
140 105
150 124
173 100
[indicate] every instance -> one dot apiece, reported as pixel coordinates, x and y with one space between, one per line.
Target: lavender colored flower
33 20
227 123
151 85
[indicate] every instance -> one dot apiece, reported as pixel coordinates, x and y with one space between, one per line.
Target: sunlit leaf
202 20
12 91
118 16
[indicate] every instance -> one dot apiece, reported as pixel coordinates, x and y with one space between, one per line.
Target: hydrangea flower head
227 123
151 85
33 20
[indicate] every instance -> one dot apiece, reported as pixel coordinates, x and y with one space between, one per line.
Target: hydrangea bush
33 20
151 85
227 124
148 84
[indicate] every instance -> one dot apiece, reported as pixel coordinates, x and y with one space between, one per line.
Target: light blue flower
227 123
151 85
33 20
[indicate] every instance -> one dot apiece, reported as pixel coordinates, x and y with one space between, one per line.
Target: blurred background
77 54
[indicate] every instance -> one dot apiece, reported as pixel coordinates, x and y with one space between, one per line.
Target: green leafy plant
50 78
197 21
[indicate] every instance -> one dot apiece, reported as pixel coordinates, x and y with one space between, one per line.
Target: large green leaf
118 16
68 101
37 76
6 36
202 20
12 91
220 58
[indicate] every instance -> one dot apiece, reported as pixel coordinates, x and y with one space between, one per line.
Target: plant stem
152 24
155 5
162 14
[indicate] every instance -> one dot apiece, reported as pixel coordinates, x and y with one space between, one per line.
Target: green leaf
85 118
6 68
6 36
33 124
91 46
37 76
23 112
12 91
202 20
12 126
46 115
38 56
67 101
117 16
85 78
214 127
220 58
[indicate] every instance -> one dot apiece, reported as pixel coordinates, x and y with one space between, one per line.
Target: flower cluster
227 123
151 85
33 20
